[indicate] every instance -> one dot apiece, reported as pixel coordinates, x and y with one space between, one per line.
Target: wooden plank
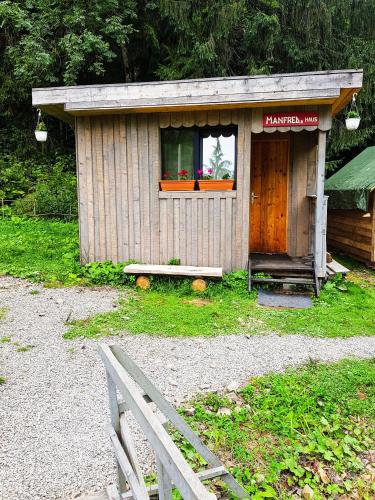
229 230
111 200
373 228
163 232
154 175
144 187
139 492
213 117
194 232
82 190
336 267
89 190
129 448
123 188
203 476
336 79
176 119
257 121
164 483
320 229
205 234
201 118
188 119
197 194
130 168
188 231
225 117
137 219
177 468
246 175
169 222
164 120
182 230
213 272
115 421
216 259
107 159
176 228
118 159
237 258
100 194
211 233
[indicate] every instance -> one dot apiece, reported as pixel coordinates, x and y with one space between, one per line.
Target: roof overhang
334 88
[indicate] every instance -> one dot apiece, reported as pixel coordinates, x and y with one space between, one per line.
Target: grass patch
5 340
2 380
313 426
39 250
169 314
176 311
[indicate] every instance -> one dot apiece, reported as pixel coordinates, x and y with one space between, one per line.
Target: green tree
219 166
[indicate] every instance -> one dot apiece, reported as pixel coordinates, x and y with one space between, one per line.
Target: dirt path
53 406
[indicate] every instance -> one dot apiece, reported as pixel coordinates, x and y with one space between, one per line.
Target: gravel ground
53 407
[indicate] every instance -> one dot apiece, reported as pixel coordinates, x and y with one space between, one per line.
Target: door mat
294 301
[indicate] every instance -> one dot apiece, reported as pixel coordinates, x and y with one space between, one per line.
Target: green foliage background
66 42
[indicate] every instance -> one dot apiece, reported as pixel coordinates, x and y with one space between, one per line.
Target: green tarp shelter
350 187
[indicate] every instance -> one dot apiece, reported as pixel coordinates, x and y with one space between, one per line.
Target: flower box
216 184
179 185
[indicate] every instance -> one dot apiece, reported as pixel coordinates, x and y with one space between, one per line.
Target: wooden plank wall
352 232
123 215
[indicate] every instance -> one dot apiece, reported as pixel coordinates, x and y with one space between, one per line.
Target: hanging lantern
40 129
352 117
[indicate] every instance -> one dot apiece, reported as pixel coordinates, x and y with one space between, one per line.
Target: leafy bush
54 194
107 273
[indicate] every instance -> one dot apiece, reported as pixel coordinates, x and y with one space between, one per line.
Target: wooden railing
124 376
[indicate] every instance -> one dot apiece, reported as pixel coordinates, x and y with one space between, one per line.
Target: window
207 152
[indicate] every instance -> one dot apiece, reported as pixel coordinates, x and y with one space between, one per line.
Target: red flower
182 172
165 175
210 171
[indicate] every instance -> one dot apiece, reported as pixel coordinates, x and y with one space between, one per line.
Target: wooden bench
142 270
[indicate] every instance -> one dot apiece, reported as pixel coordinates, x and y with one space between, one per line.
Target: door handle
253 196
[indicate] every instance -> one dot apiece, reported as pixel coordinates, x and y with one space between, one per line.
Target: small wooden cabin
266 133
351 208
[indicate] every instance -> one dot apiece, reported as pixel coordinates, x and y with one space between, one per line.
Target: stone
233 386
223 411
189 412
307 492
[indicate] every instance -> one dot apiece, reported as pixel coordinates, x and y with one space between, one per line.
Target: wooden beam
212 272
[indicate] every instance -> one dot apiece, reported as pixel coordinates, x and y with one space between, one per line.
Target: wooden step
292 281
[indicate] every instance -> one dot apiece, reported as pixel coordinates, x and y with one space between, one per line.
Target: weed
313 426
34 292
25 348
2 380
3 312
174 261
5 339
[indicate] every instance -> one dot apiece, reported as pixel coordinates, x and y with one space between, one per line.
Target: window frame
198 146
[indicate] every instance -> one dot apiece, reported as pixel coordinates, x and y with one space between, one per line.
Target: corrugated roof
350 187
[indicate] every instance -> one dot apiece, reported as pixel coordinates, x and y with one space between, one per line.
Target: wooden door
269 195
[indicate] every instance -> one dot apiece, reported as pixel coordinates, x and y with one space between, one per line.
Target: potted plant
208 183
41 131
183 183
352 120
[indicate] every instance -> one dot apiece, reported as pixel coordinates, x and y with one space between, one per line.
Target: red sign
291 119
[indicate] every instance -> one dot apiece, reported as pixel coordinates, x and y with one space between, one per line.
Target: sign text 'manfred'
291 119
